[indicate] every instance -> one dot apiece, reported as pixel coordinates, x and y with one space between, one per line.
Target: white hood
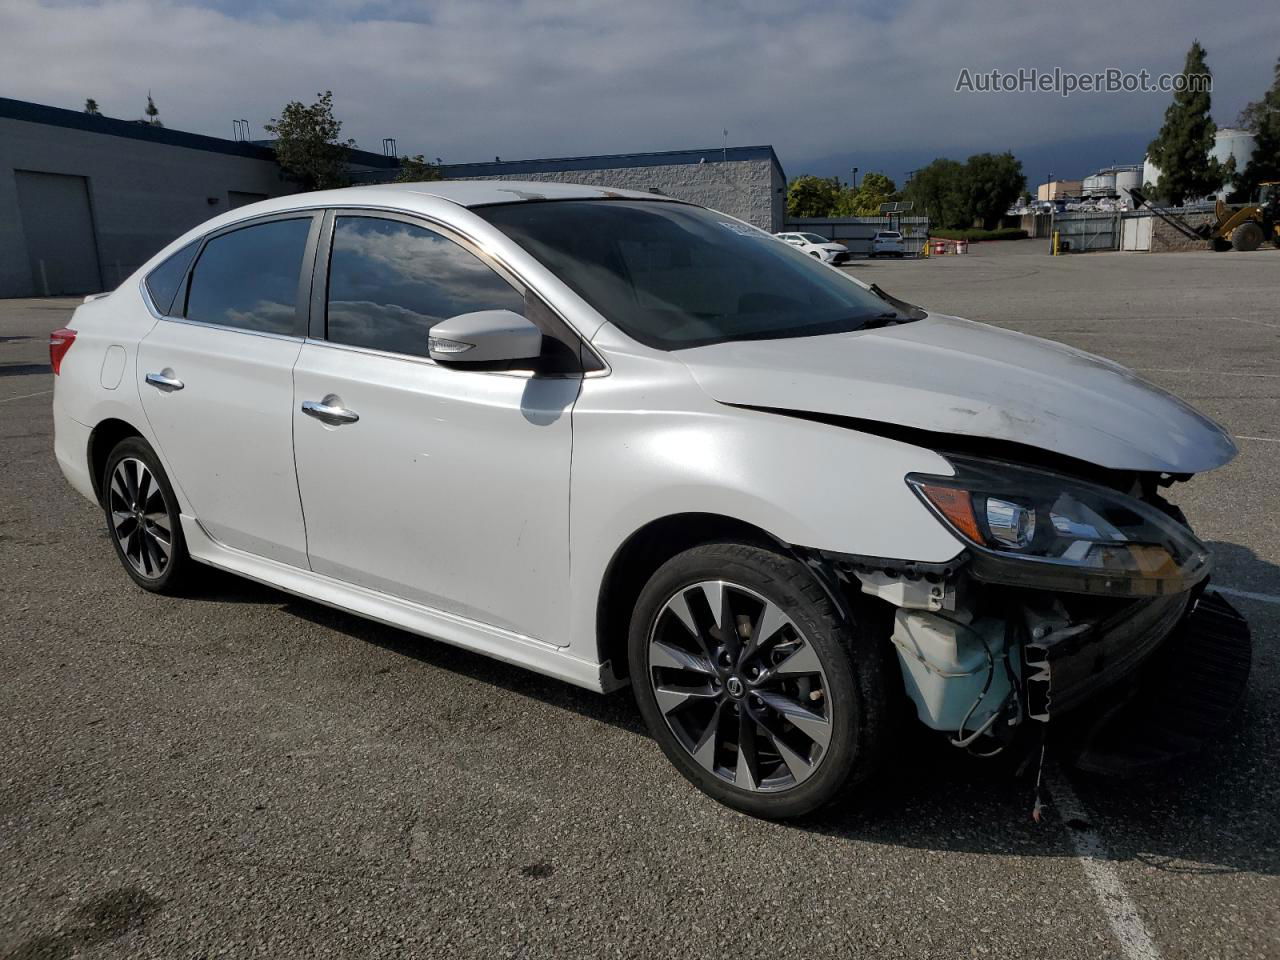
954 376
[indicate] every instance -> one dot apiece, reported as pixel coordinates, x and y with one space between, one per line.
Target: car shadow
1212 813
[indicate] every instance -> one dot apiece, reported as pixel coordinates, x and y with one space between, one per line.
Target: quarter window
249 278
164 280
391 281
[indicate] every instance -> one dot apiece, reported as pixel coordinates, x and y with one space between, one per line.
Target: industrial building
85 199
744 182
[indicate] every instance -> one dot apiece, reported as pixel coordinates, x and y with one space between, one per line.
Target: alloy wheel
140 518
740 687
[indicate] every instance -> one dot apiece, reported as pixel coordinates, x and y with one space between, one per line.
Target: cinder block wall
746 189
1165 239
141 194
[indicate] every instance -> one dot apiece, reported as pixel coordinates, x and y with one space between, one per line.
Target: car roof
466 193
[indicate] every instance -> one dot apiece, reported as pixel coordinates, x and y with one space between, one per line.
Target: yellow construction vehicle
1242 227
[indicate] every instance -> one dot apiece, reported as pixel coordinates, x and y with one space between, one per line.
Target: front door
451 489
217 386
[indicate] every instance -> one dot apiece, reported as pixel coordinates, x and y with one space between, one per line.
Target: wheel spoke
664 655
131 480
680 607
119 486
161 539
118 520
813 725
802 660
672 698
144 485
705 750
799 766
770 621
717 594
746 776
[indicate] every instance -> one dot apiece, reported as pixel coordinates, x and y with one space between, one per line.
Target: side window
164 280
249 278
391 281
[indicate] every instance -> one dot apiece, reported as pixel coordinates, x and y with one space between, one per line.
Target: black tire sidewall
138 449
855 683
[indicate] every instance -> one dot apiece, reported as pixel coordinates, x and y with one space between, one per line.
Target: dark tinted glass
249 278
164 280
390 282
673 275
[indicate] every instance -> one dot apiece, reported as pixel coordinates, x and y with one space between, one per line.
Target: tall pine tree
1181 149
1262 119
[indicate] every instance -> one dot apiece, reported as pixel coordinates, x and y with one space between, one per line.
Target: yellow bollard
1055 243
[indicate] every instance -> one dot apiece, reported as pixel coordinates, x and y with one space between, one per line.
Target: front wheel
755 687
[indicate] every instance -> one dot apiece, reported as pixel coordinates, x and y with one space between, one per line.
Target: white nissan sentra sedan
617 438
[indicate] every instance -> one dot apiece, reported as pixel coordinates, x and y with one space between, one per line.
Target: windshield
889 235
674 276
814 238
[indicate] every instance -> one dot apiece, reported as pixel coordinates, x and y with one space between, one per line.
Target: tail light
60 342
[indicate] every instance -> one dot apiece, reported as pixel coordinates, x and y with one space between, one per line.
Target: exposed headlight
1032 528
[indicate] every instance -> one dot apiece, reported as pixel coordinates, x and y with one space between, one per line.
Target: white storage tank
1126 180
1229 143
1150 172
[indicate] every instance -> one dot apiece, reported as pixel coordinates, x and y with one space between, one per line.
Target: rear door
217 383
451 489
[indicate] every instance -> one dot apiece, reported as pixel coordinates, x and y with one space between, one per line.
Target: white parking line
25 396
1121 913
1240 436
1248 594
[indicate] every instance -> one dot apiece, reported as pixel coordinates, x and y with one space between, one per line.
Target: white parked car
887 243
817 246
617 438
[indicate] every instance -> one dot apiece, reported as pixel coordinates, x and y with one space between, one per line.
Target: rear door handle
329 410
162 382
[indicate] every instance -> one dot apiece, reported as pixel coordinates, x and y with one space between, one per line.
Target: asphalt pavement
243 773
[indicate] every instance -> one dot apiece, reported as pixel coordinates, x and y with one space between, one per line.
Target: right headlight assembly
1036 529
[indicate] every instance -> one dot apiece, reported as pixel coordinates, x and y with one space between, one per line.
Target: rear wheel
1246 237
755 687
142 517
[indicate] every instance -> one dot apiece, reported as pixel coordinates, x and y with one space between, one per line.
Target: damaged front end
1069 593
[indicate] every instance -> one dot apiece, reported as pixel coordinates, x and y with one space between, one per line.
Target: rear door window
248 278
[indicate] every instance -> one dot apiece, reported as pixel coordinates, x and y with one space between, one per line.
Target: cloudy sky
830 84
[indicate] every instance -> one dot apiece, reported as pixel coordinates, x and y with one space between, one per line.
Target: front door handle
162 381
329 410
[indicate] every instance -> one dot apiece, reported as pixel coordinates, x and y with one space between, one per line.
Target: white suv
616 438
888 243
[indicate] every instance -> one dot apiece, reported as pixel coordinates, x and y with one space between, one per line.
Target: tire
1247 237
720 720
156 562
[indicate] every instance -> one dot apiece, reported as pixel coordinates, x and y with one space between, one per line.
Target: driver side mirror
485 336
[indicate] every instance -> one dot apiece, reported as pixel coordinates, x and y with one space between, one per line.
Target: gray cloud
470 81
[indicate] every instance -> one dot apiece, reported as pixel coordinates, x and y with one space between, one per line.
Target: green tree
875 189
1262 119
1181 148
307 144
91 107
152 112
992 182
417 170
939 191
810 196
